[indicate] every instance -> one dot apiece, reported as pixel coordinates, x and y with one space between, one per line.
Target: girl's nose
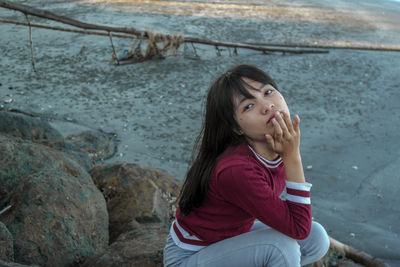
267 106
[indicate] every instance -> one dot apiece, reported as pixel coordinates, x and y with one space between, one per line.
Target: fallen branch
341 47
354 254
257 48
52 16
138 34
56 28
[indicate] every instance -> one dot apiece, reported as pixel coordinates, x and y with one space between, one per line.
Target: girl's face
254 115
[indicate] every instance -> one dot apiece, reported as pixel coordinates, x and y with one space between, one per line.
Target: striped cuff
184 240
298 192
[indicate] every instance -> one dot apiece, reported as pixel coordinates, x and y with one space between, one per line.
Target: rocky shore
61 208
61 205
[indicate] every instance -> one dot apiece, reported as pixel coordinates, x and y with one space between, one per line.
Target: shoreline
155 107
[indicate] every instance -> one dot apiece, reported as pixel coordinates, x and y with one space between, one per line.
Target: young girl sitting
245 201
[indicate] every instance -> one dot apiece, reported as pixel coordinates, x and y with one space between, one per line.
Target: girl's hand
285 140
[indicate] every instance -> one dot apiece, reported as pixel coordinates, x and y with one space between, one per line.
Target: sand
347 99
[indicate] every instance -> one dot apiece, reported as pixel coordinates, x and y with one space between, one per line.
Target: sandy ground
347 99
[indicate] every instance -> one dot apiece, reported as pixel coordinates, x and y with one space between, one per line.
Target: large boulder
20 158
135 193
6 244
58 216
142 247
57 219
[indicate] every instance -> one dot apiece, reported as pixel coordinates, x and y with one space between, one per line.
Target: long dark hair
219 131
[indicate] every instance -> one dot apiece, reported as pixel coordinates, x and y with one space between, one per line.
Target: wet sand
347 99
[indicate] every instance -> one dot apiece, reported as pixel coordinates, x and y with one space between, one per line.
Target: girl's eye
247 107
268 91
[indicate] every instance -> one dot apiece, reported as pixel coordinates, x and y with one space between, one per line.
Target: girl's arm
286 142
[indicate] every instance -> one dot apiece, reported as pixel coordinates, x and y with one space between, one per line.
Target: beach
347 99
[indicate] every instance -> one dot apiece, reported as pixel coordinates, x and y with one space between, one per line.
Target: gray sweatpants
262 246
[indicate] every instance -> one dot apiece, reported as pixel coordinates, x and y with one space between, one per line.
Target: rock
40 131
97 144
20 158
28 127
140 247
74 153
135 193
57 218
13 264
6 244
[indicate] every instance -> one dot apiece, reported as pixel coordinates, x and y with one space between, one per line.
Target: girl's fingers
278 129
296 124
282 123
288 121
270 141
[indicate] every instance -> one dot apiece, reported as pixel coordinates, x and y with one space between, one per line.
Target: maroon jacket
244 187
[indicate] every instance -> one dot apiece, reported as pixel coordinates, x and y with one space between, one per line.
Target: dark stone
13 264
135 193
57 218
97 144
140 247
28 127
20 158
6 244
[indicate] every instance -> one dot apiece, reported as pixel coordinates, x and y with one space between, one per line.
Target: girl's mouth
270 119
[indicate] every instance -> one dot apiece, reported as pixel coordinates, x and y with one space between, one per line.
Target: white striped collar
267 163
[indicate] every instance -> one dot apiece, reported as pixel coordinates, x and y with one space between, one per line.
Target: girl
245 201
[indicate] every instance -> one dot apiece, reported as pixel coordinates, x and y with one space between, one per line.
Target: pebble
8 101
355 167
309 167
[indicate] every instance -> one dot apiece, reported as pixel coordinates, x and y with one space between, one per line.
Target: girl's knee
321 238
315 246
289 251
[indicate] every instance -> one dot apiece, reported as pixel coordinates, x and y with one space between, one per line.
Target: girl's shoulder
238 156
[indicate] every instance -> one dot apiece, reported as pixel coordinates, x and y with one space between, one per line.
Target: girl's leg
315 246
265 247
174 255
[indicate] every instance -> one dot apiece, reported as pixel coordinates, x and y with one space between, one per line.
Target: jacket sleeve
248 187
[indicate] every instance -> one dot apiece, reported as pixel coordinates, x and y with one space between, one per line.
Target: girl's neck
263 151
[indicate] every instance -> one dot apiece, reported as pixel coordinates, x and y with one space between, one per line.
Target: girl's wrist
293 157
294 168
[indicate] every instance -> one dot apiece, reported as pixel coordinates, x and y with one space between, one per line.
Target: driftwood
354 254
170 41
341 47
52 16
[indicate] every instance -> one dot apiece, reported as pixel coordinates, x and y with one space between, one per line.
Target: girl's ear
238 131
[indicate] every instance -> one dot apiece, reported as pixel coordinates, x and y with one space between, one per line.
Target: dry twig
31 43
115 57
